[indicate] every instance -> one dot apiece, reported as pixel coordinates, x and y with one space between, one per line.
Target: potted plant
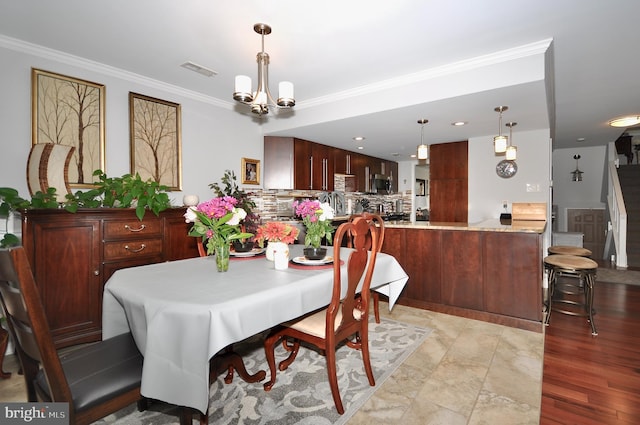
230 188
316 217
127 191
276 232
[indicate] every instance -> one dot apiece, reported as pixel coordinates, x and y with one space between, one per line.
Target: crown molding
68 59
496 58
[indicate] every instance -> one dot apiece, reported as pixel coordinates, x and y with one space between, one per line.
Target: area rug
301 394
629 277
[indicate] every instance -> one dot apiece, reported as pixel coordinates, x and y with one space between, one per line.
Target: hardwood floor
594 380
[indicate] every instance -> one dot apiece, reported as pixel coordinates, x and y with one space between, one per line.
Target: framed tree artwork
156 151
250 171
69 111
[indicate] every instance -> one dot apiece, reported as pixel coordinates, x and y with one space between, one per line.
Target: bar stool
569 250
573 267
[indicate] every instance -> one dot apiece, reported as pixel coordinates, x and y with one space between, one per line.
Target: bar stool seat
573 268
569 250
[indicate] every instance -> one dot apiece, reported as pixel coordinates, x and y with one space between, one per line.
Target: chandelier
261 99
500 141
423 150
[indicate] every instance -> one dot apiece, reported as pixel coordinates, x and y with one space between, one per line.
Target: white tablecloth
181 313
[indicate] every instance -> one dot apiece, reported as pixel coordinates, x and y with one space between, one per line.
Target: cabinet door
513 274
178 244
321 167
358 164
448 182
341 161
67 270
462 279
302 165
278 169
392 171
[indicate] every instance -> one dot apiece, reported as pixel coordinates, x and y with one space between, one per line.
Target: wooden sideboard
73 255
494 276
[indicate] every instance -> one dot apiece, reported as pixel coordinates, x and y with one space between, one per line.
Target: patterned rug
301 394
629 277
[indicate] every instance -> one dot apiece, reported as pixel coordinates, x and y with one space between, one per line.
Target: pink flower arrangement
316 217
217 221
277 231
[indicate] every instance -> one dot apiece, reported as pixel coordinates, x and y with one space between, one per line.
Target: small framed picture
421 187
250 171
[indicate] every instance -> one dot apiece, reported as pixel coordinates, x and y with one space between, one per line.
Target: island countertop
491 225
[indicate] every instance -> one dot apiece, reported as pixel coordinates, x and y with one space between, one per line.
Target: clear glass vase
222 257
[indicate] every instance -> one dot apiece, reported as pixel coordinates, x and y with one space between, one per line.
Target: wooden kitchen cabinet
461 261
72 255
424 276
322 168
292 163
512 274
494 276
448 182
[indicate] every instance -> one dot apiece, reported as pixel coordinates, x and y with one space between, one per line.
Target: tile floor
466 372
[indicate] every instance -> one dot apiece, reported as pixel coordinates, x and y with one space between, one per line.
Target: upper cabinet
448 182
291 163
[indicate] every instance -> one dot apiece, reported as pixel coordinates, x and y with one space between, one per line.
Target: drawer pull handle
139 229
143 246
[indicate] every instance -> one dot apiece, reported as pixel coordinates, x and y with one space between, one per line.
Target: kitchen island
486 271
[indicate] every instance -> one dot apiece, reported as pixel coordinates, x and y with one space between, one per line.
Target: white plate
254 251
303 260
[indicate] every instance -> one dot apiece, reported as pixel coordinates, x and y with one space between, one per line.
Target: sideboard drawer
122 250
132 228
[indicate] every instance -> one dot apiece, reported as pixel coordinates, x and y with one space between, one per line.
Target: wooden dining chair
346 315
95 379
376 219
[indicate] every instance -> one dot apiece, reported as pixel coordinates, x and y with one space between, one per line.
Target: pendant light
576 175
511 150
423 150
500 141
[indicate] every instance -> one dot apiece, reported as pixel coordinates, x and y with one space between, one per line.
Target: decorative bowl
312 253
240 246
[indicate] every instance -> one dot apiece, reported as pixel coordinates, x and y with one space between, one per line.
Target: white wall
487 190
214 138
568 194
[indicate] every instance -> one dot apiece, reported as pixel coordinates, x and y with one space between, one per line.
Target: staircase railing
617 210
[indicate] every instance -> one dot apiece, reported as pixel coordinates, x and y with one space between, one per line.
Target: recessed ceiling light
358 138
199 69
459 123
627 121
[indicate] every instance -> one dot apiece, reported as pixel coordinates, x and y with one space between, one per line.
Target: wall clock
506 168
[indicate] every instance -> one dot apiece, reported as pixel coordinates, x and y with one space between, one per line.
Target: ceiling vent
199 69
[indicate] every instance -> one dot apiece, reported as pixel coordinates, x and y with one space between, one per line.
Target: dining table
182 313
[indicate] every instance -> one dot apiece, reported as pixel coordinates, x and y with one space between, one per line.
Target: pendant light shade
500 141
423 150
511 151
